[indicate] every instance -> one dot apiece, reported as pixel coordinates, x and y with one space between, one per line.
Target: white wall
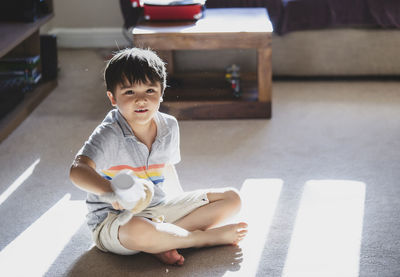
87 23
87 14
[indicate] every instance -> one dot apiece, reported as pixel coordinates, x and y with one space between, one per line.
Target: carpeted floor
320 182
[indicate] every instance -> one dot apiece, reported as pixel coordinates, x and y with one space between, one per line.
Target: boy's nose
141 99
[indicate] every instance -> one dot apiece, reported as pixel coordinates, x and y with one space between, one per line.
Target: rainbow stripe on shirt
154 172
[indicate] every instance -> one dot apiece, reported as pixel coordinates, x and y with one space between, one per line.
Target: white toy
132 193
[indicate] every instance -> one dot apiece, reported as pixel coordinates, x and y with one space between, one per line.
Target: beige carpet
320 182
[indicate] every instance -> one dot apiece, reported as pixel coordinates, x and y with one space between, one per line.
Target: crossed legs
196 229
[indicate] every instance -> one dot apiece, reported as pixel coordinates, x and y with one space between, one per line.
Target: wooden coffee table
207 95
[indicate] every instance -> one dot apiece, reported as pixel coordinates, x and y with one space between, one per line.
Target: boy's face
137 102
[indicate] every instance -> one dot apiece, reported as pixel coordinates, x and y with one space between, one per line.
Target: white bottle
128 188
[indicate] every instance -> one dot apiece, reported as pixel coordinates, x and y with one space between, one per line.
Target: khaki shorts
105 235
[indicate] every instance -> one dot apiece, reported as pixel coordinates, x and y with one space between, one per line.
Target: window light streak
260 198
18 182
327 235
34 250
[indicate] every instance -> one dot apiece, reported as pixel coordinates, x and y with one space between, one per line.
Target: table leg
264 71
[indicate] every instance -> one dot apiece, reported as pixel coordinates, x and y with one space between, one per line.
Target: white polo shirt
113 147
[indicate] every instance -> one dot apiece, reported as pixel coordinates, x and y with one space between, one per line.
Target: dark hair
132 66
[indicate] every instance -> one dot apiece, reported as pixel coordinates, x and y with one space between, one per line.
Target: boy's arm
84 176
172 185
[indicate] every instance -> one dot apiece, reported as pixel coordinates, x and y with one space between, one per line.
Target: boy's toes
242 225
180 261
171 257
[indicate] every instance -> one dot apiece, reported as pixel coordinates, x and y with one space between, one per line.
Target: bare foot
171 257
228 234
241 232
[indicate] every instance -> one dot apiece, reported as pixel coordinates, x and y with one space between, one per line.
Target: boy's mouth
141 110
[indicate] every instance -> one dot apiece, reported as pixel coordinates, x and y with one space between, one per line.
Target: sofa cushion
386 13
319 14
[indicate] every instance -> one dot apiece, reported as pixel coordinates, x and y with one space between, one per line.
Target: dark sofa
295 15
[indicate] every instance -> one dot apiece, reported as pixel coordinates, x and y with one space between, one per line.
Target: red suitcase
171 9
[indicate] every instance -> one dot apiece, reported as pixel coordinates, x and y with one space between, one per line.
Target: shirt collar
123 124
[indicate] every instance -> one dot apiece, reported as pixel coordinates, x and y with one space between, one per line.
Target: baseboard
90 37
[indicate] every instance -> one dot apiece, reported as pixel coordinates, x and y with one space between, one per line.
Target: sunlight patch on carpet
326 238
18 182
260 198
34 250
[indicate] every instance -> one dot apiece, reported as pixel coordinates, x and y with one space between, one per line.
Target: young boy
137 137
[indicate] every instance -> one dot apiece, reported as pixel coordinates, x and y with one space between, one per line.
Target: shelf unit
20 38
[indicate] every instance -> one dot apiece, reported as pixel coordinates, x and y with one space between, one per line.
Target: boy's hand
116 205
112 198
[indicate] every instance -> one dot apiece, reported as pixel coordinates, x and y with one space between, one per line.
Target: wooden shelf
210 86
14 33
32 99
207 95
189 110
23 39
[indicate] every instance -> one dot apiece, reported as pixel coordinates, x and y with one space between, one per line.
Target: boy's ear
111 97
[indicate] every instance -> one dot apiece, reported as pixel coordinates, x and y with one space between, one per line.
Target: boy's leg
144 235
223 203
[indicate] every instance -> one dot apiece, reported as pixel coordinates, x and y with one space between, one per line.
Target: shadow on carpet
213 261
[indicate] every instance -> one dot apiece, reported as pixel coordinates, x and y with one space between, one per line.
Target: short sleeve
96 147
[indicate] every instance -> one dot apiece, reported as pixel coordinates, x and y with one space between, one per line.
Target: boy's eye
150 90
128 92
